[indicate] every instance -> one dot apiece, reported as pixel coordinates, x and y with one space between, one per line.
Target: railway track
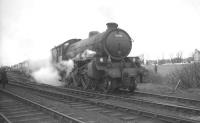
86 105
180 108
138 94
145 96
182 101
101 100
177 100
16 109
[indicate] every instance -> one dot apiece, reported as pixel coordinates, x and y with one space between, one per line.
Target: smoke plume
86 54
44 72
66 66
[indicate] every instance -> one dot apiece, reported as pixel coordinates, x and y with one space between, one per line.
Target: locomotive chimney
111 26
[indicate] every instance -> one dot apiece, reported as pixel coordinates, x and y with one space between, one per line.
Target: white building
196 55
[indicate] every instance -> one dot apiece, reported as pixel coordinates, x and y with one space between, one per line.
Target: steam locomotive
100 61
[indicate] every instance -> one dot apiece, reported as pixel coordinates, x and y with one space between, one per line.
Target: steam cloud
66 66
43 72
86 54
107 13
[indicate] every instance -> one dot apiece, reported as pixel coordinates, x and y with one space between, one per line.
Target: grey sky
30 28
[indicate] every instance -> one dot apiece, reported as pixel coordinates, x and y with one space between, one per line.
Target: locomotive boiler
101 61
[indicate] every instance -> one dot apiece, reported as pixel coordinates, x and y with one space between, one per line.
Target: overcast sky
159 28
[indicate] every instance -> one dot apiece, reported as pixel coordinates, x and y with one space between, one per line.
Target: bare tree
179 57
172 58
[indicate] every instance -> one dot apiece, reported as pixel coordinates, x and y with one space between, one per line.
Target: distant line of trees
177 59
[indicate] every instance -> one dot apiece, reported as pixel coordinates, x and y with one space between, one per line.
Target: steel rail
62 117
161 96
150 114
133 100
4 119
169 97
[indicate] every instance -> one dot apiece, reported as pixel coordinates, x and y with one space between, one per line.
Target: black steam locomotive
100 61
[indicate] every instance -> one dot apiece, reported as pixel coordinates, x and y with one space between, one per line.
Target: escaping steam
107 13
47 75
65 67
86 54
44 72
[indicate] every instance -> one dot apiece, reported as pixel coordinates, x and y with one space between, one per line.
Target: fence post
178 83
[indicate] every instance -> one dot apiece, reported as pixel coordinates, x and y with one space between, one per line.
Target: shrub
189 76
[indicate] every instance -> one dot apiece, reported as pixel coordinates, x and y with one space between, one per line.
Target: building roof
197 51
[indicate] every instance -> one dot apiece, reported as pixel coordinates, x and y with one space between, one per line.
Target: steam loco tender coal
108 68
